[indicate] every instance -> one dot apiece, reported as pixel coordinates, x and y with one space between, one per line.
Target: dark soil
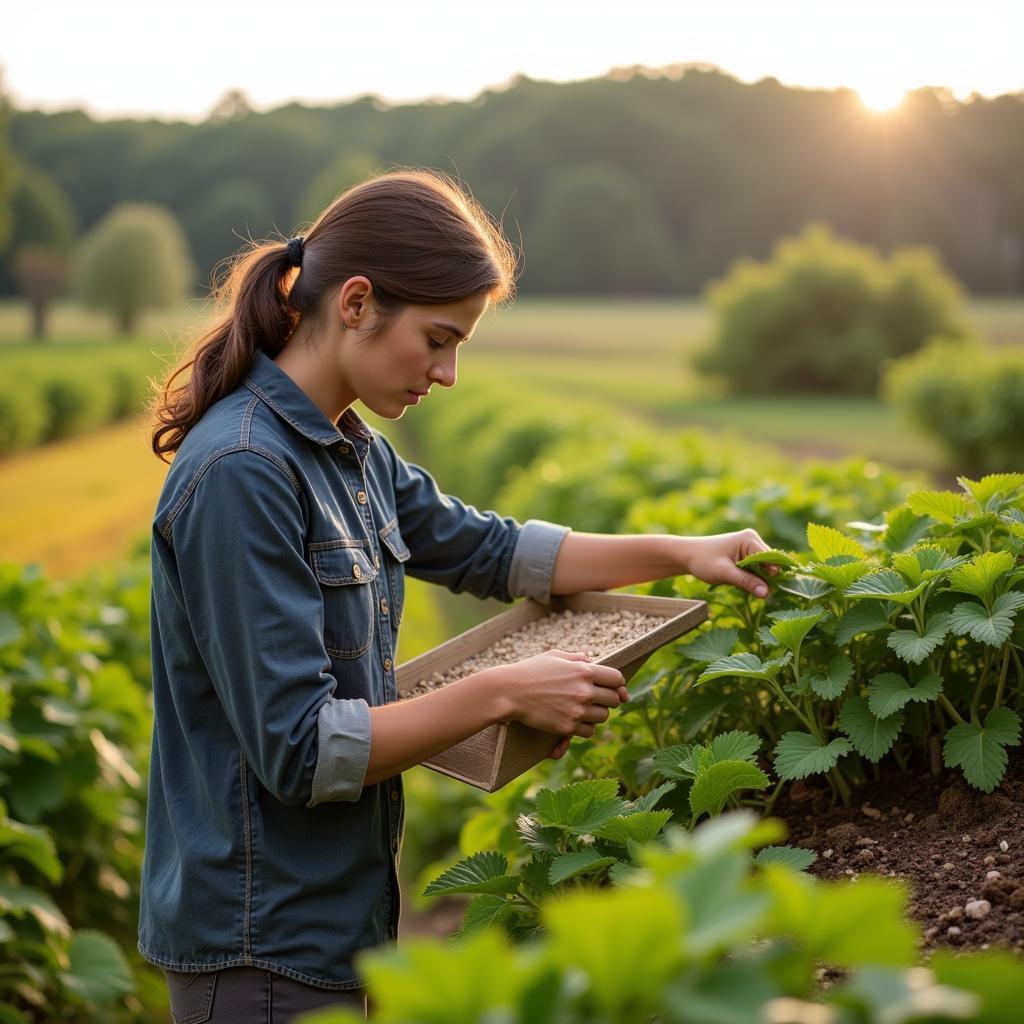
952 844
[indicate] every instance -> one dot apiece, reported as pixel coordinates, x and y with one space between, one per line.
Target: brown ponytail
415 234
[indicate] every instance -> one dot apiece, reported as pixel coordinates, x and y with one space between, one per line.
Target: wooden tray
499 753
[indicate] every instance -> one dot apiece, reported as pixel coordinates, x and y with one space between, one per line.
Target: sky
116 58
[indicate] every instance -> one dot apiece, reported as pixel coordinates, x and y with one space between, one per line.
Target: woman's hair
415 234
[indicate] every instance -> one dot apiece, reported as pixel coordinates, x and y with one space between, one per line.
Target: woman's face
416 350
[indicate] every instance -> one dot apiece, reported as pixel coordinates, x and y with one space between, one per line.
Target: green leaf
715 785
981 752
745 666
579 862
640 827
863 617
943 506
885 584
10 630
873 737
994 977
678 761
993 629
799 754
1005 486
772 557
97 969
914 647
806 587
796 858
827 543
648 801
540 838
925 563
484 910
580 806
483 872
981 574
889 692
840 572
711 646
19 900
904 529
734 746
834 681
791 628
31 844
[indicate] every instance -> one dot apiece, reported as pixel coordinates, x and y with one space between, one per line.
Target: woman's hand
562 692
713 559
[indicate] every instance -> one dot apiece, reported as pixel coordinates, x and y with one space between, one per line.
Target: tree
41 275
345 170
135 258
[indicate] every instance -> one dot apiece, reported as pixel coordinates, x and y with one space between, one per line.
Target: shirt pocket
396 553
346 573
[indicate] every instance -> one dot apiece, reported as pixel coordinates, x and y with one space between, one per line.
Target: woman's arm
598 561
555 692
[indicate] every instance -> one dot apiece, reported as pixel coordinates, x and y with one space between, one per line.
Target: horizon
879 50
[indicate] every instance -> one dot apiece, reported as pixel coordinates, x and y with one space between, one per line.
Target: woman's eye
434 343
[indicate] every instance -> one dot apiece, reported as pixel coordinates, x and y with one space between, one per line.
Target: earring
344 326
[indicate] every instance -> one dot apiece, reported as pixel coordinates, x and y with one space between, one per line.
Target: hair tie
295 250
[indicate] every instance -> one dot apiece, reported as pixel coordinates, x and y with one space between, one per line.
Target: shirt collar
270 383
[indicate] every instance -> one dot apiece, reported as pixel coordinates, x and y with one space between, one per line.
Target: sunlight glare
881 97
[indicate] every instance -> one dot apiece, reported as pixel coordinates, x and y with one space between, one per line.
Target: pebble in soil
960 851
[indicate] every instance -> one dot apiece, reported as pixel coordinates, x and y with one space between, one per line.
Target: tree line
635 183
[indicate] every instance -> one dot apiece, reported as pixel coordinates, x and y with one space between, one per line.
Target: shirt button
394 796
357 571
343 449
361 497
387 664
384 605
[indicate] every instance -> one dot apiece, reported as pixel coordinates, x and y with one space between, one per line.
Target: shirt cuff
533 561
343 754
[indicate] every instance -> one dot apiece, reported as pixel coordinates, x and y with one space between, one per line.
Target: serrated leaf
541 838
827 543
798 754
914 647
746 666
993 629
97 969
711 646
641 827
833 682
715 785
981 751
678 761
482 911
484 872
870 735
889 692
578 862
886 585
942 506
863 617
19 900
904 529
796 858
840 572
979 576
791 628
772 557
579 806
925 563
807 587
1005 485
734 746
649 801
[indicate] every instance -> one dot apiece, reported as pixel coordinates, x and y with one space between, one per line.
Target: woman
280 543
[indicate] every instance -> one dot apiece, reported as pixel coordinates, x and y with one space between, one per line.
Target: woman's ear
355 301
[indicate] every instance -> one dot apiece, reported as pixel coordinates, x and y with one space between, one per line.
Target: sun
881 97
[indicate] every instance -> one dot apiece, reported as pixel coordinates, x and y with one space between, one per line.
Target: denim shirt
280 546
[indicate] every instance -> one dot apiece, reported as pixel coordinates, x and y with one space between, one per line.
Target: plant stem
841 785
1002 675
770 802
950 710
980 686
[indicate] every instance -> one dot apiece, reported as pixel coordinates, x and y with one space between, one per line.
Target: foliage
75 721
693 935
136 258
967 396
823 314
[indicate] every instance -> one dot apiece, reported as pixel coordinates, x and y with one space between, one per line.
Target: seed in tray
594 634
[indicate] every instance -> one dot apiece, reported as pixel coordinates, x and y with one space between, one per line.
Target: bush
823 314
969 397
23 415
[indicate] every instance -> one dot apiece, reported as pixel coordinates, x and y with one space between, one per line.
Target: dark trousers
250 995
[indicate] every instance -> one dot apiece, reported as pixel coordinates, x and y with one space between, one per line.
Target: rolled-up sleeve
533 561
256 612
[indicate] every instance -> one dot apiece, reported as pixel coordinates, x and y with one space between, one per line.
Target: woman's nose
445 371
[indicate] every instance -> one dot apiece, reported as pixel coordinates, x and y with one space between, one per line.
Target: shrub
23 415
968 397
824 313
